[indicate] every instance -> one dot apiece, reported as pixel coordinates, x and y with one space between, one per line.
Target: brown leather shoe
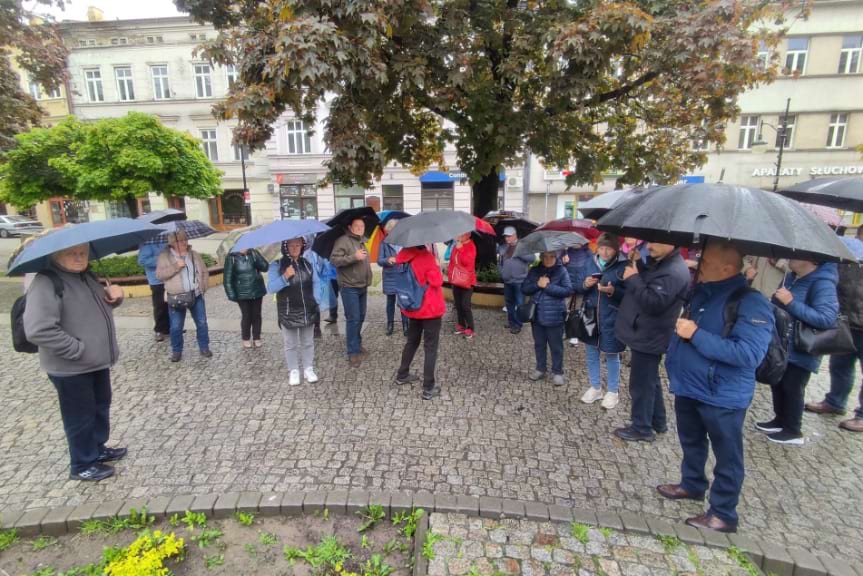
711 522
852 424
356 360
822 408
676 492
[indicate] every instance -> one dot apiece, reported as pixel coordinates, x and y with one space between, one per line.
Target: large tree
611 86
111 159
39 51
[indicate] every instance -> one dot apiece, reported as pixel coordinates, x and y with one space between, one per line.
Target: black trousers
429 332
250 323
85 406
334 311
461 298
645 389
788 398
162 325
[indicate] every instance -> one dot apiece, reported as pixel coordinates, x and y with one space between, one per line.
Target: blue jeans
550 337
178 320
354 305
612 363
842 376
391 311
85 406
645 390
513 298
700 426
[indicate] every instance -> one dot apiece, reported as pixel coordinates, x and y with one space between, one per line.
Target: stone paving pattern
496 548
231 424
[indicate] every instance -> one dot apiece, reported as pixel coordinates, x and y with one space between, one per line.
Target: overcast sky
114 9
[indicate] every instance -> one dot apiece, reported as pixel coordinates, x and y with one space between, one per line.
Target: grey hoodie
75 333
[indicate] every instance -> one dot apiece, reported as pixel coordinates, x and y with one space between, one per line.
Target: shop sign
813 171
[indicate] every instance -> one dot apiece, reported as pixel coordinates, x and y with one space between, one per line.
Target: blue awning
693 179
451 176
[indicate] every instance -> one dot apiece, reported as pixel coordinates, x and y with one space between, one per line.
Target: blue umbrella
192 228
278 231
104 237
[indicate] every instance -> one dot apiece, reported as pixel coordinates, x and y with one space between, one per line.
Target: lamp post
781 134
247 202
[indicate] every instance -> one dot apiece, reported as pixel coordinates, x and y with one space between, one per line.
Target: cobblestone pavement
231 423
465 545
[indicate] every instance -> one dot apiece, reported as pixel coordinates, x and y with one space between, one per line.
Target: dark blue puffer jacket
608 305
386 251
551 300
815 304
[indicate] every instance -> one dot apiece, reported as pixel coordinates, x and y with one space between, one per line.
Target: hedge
122 266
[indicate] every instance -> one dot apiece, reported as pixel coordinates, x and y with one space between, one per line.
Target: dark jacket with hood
296 299
550 301
607 306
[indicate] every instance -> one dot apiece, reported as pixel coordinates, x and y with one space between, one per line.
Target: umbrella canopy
373 246
760 223
431 227
192 228
496 216
104 237
843 193
323 244
162 216
585 227
601 205
522 226
829 216
547 241
231 238
278 231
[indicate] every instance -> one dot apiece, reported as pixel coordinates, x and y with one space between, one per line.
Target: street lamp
781 134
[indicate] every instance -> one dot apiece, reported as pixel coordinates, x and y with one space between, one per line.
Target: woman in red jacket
425 322
462 277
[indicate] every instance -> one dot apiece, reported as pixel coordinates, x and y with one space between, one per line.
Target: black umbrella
842 193
601 205
339 223
760 223
431 227
522 226
162 216
548 241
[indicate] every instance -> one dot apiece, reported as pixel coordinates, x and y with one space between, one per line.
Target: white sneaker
504 308
610 400
310 375
294 379
573 341
592 395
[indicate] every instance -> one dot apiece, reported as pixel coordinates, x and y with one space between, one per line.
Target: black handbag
836 340
526 311
583 325
183 300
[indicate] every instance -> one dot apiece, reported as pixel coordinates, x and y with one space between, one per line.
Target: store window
394 198
68 212
298 201
437 196
349 197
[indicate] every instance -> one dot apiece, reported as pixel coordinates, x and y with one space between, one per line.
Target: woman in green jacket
245 286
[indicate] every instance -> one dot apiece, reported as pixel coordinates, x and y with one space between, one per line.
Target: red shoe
459 329
468 333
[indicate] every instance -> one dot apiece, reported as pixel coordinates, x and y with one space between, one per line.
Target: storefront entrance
228 211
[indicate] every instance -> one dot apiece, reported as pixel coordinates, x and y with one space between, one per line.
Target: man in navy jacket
712 374
655 293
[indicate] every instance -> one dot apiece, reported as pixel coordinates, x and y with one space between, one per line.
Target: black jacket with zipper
295 303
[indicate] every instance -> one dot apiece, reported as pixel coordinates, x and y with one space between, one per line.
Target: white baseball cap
509 231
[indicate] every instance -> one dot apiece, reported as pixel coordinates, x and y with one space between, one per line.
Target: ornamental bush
122 266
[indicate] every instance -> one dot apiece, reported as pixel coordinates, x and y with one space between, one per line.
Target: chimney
94 14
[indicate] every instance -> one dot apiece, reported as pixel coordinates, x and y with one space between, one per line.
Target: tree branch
612 95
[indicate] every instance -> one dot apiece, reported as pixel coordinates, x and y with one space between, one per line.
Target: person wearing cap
513 271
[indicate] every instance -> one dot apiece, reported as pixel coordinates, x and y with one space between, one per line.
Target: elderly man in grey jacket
513 271
74 330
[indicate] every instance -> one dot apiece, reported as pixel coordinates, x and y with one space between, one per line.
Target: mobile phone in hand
597 275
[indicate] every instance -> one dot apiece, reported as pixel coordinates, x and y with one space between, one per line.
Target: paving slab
357 500
293 503
270 504
81 513
204 503
777 560
179 504
54 523
806 563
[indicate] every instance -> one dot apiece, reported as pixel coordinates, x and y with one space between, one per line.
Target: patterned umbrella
192 228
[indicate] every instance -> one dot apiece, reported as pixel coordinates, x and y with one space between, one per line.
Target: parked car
18 226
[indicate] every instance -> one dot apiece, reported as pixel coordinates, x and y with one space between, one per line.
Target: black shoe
405 329
111 454
94 473
318 334
390 327
630 435
433 393
176 356
768 427
783 437
160 337
206 353
410 378
515 330
661 430
331 319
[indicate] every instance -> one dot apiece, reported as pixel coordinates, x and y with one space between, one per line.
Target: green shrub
122 266
488 274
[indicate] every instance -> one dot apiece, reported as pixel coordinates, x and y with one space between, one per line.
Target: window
151 40
125 87
789 132
94 85
299 141
240 153
82 43
836 130
393 197
208 141
197 37
849 58
748 132
231 75
119 41
161 87
298 201
437 196
203 82
54 92
795 56
349 197
35 90
763 55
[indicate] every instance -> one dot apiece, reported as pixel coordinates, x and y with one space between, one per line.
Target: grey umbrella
431 227
548 241
760 223
842 193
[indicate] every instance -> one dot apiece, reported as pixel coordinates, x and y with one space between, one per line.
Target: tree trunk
485 194
132 204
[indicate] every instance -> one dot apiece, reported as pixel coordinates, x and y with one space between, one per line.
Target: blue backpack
409 293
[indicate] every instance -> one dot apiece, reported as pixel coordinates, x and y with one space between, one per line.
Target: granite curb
770 557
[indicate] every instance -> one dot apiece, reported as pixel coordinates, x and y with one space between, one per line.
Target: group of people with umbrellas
714 350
